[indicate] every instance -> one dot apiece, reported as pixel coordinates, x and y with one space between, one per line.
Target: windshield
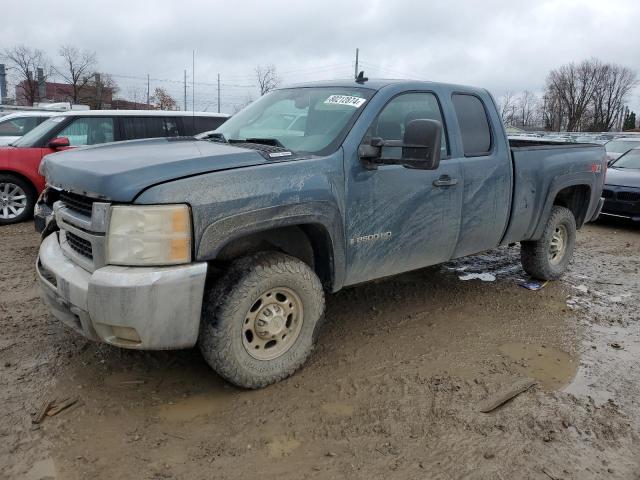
310 120
630 160
32 138
620 146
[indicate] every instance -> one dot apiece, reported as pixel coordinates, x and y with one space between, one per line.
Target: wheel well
309 243
576 199
21 177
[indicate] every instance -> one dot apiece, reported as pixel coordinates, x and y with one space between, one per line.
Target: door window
474 124
88 131
403 109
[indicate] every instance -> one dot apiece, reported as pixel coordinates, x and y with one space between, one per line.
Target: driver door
400 219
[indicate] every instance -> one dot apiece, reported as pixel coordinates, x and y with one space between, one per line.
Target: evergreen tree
629 121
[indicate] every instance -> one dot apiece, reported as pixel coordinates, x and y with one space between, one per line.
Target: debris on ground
50 408
485 277
507 394
533 284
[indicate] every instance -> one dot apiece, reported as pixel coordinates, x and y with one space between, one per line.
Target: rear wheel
17 199
548 257
261 320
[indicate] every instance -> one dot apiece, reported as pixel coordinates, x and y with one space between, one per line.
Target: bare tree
239 106
506 105
25 62
551 112
267 77
99 91
612 90
77 69
162 100
526 108
574 86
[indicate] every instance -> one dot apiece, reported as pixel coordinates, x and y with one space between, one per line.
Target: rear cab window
473 121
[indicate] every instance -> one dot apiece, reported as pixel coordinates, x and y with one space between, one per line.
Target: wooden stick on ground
507 394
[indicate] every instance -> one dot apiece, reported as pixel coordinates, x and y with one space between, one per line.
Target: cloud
501 45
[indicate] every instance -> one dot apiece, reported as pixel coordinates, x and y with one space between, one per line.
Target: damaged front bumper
147 308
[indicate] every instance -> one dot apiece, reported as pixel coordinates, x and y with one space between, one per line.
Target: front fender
325 214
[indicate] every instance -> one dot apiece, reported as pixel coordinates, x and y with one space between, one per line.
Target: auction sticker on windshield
345 100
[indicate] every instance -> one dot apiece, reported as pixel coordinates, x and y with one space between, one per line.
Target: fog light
126 333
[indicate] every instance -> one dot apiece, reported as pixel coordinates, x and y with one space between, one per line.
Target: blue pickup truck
232 240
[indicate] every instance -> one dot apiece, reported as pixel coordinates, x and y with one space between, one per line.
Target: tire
548 258
17 199
245 309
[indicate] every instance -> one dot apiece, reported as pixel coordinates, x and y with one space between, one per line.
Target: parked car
15 125
619 146
622 187
233 241
19 162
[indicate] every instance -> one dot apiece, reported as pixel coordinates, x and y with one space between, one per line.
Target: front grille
77 203
628 196
80 245
607 194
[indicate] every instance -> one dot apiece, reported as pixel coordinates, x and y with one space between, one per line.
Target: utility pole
356 72
3 83
147 91
185 89
218 93
193 82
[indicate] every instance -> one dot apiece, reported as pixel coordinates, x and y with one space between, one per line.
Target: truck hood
120 171
624 177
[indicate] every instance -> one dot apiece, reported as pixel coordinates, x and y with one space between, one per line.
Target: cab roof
378 83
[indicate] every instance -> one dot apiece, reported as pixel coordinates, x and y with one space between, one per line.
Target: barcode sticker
345 100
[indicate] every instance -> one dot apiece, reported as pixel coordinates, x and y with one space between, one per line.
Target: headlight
149 235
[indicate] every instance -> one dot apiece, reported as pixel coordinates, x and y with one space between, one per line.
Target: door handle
445 181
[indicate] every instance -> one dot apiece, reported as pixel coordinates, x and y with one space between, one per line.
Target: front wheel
261 320
548 257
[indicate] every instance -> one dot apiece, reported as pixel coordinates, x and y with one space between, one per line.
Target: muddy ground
392 391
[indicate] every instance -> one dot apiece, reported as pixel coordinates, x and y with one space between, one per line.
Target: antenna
361 78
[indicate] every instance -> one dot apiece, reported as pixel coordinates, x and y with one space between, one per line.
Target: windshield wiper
272 142
216 137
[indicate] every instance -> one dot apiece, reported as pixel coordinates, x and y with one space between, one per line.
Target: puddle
553 368
339 409
193 407
281 447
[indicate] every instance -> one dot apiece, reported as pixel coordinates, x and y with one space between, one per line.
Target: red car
20 182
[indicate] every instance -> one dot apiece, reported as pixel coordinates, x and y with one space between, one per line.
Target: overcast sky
501 45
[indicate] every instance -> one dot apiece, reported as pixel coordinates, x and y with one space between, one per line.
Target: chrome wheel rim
13 200
273 324
558 245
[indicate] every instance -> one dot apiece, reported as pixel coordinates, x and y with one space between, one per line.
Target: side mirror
59 142
420 148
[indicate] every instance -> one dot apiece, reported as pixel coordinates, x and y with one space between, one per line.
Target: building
96 96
